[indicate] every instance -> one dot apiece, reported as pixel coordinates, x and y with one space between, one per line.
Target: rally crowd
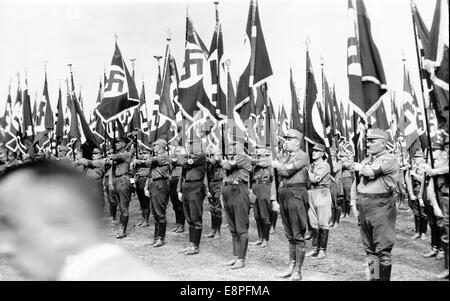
310 192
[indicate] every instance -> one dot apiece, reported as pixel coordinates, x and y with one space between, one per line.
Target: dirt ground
344 261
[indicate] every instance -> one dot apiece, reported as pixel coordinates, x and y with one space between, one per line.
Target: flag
436 61
27 122
337 113
328 119
295 110
59 132
143 122
217 72
409 111
120 93
365 71
257 71
97 126
283 122
314 126
193 100
163 122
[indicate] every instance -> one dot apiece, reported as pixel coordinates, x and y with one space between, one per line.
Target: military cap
161 142
63 148
96 150
437 145
293 133
319 147
418 153
377 134
122 139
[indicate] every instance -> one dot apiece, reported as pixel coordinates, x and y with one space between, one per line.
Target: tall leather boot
213 226
337 216
416 228
155 233
259 228
265 235
292 258
315 243
161 235
218 224
299 257
423 224
113 210
124 224
196 235
243 245
333 217
385 272
273 221
323 241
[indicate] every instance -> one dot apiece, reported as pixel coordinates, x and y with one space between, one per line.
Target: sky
82 32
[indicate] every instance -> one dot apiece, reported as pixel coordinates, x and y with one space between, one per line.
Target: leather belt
262 182
159 179
216 181
318 187
192 181
376 195
444 193
117 177
235 182
141 176
300 185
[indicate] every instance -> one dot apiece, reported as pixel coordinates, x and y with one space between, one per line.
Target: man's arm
320 172
288 169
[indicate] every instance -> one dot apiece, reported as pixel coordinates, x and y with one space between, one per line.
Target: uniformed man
293 198
373 203
121 185
347 180
62 152
140 178
191 190
261 188
336 189
415 185
95 170
215 174
177 205
236 202
440 174
159 188
319 174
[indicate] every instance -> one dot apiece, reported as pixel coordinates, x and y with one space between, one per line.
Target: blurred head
55 216
120 144
3 155
11 156
318 151
159 146
96 154
78 154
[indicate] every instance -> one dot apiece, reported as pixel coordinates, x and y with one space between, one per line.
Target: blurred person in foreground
51 230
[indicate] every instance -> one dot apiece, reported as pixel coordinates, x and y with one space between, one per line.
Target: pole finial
307 42
322 60
403 55
116 36
169 34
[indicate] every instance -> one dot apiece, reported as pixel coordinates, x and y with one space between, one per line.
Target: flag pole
419 63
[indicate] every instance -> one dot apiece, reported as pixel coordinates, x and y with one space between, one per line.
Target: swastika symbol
111 80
